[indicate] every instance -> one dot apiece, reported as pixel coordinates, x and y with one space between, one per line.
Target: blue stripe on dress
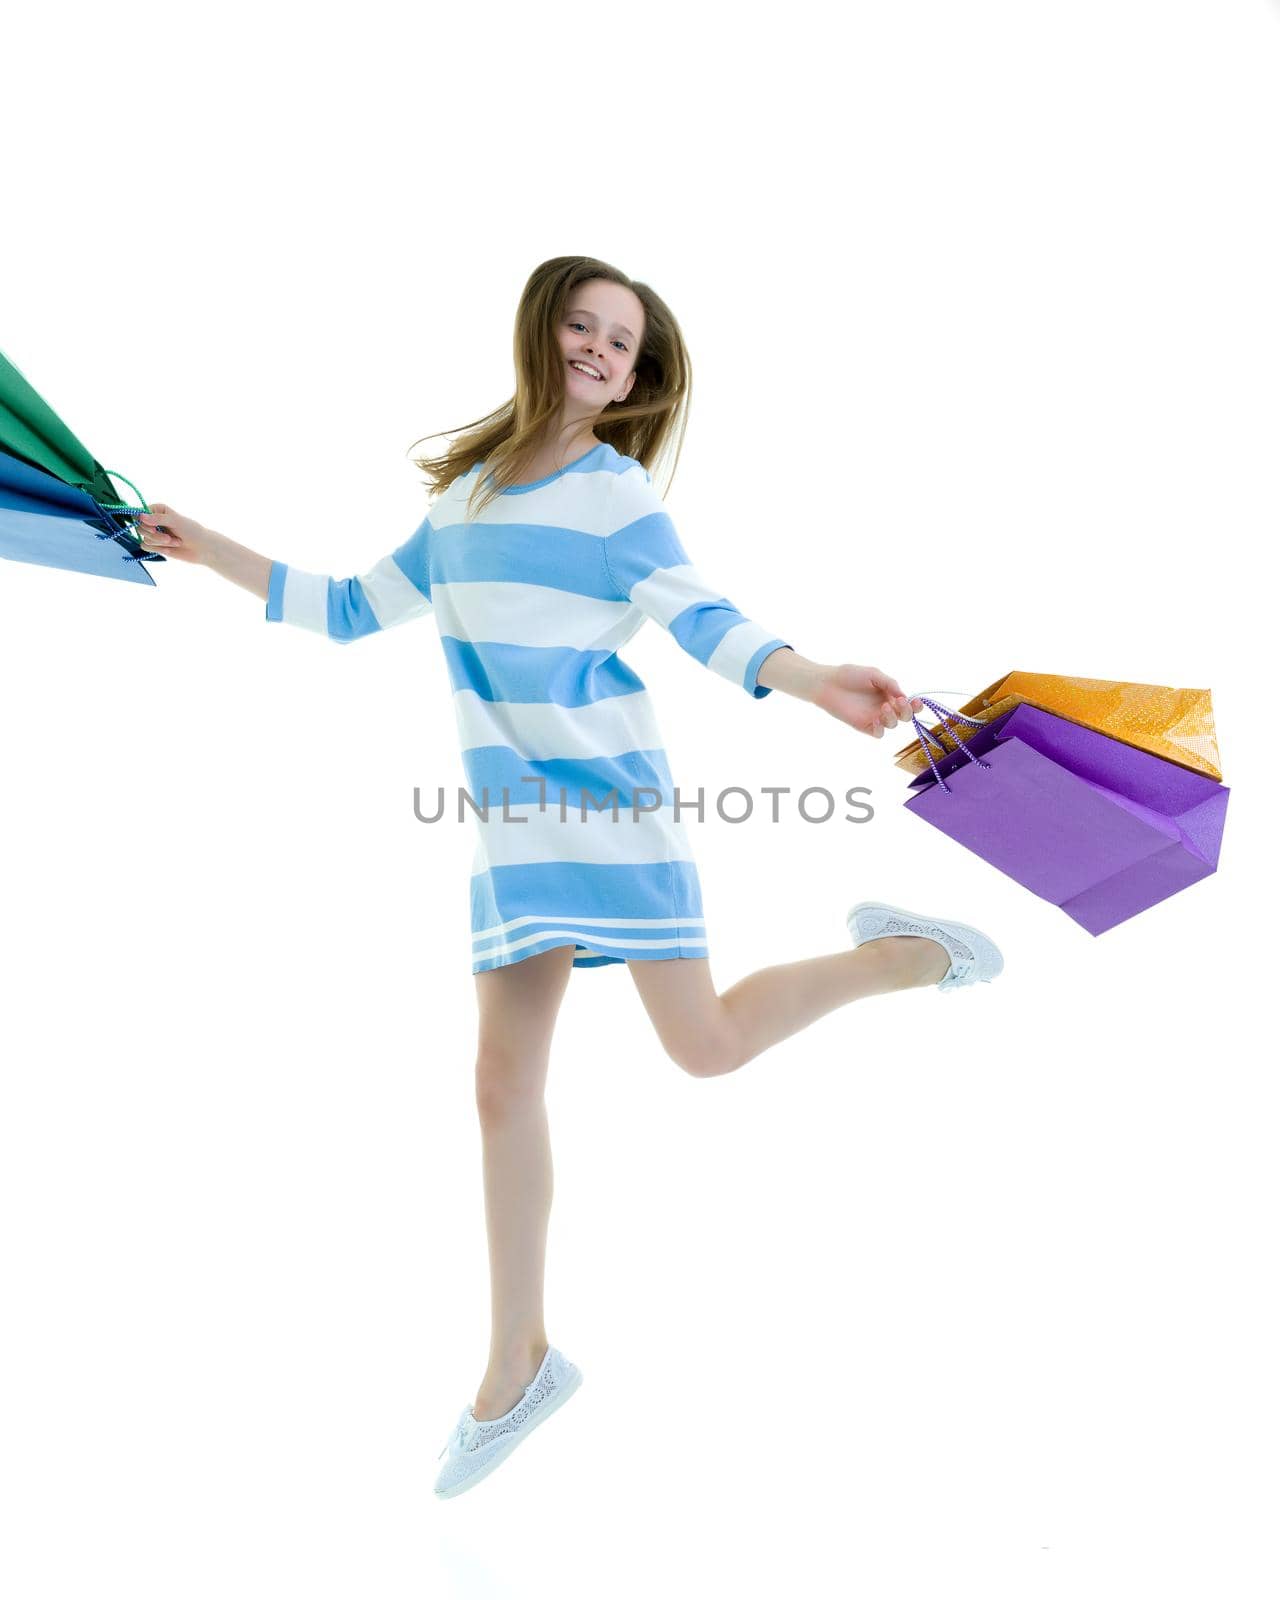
700 627
413 557
498 767
549 673
758 690
642 546
639 904
275 591
555 557
350 616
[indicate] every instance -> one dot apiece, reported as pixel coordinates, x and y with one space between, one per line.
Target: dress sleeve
394 590
647 564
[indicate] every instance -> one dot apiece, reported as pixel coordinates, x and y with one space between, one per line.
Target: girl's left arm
794 674
646 563
864 697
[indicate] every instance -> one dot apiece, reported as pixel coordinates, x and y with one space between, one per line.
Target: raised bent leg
708 1033
518 1006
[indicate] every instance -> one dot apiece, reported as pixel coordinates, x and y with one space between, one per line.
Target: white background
946 1295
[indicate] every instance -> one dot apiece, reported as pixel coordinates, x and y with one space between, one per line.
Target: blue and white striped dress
534 599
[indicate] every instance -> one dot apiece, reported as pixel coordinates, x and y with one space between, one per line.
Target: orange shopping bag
1174 723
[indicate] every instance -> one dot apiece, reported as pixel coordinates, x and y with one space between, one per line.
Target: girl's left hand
865 698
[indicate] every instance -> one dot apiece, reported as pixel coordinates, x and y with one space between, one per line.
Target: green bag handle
116 505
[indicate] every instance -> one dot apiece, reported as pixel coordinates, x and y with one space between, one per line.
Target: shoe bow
466 1423
460 1431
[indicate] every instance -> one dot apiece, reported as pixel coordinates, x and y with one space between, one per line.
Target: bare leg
518 1008
709 1033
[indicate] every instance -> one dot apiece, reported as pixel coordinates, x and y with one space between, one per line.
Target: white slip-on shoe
974 957
475 1448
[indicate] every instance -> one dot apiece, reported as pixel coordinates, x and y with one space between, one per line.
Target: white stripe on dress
392 598
306 600
597 840
546 731
533 614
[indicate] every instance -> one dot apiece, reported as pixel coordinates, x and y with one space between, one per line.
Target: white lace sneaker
475 1448
974 958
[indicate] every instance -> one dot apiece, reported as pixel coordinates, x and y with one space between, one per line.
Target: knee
705 1052
508 1083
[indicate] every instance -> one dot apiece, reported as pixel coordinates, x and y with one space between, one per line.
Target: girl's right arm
393 590
183 539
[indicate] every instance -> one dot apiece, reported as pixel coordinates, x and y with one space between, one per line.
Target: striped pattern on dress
533 600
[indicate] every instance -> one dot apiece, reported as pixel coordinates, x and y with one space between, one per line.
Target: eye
622 342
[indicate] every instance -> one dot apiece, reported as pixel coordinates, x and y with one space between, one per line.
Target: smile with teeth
579 366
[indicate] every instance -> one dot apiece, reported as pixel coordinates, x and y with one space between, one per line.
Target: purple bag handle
925 735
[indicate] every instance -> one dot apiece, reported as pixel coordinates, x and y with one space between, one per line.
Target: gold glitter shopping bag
1174 723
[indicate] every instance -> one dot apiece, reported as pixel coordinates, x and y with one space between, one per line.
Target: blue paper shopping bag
58 507
53 524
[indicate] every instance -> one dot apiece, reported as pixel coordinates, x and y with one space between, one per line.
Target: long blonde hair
654 414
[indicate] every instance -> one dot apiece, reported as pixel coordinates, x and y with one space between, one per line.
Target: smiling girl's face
601 327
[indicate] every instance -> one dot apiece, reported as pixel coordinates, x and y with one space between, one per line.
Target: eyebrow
581 311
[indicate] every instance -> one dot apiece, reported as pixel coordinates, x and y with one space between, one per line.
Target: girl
538 568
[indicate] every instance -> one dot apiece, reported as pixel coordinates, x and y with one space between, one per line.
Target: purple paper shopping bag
1098 827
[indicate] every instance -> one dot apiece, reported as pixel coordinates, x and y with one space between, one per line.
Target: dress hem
588 956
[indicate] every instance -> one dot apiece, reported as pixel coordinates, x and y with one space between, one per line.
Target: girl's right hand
864 697
184 539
